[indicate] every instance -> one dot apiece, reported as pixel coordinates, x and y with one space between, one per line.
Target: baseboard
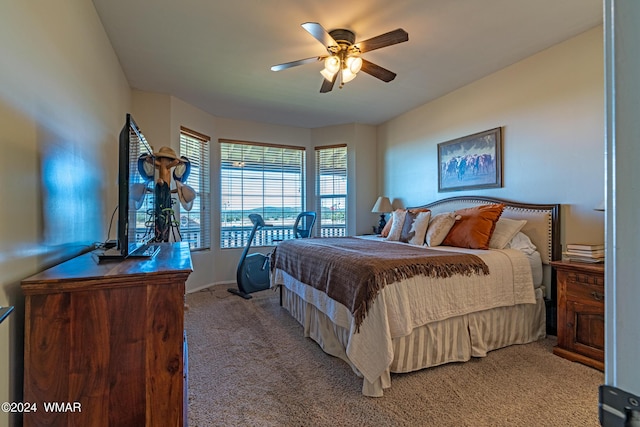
200 288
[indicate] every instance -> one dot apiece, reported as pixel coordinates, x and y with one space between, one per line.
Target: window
331 190
195 225
267 179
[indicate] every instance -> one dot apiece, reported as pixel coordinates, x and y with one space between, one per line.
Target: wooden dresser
580 312
108 339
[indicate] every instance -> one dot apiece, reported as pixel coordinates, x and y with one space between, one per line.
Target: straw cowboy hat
166 152
186 194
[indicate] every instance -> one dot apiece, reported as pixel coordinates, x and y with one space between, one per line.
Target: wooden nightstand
580 312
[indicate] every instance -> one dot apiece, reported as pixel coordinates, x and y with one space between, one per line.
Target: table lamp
382 206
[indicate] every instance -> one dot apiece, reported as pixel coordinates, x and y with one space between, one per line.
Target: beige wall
361 171
151 112
63 99
550 106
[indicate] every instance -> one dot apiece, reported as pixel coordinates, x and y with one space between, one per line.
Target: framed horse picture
470 162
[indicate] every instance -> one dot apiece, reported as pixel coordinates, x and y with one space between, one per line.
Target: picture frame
471 162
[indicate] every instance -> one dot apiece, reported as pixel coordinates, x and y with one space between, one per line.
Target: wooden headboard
543 225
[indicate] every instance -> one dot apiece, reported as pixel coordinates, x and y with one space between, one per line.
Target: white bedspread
404 305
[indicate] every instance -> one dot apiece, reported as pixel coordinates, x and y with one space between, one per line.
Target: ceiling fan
343 59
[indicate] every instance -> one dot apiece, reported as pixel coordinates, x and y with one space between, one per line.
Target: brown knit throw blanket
352 271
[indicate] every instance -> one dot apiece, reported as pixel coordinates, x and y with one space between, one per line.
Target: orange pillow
387 227
475 227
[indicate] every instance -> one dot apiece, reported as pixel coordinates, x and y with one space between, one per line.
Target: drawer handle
597 296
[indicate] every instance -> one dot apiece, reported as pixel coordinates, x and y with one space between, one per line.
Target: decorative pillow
439 227
415 227
475 227
387 228
397 221
505 230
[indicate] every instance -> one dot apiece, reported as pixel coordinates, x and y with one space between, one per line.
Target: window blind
195 225
262 178
331 190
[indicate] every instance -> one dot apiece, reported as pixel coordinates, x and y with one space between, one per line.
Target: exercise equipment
304 224
253 270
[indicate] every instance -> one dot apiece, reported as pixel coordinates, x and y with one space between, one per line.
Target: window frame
335 230
199 179
259 159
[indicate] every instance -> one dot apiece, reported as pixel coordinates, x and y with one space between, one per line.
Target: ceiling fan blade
286 65
377 71
383 40
320 34
328 85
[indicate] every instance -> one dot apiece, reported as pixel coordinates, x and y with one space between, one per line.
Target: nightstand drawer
581 290
584 278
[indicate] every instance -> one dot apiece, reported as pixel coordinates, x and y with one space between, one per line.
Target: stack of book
582 252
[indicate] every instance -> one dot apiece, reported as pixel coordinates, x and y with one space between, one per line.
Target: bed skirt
456 339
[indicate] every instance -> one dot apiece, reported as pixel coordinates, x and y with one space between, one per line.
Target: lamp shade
331 67
347 75
383 205
354 64
332 64
328 75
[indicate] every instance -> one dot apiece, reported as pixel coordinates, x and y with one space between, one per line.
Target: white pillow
504 231
522 242
397 223
415 227
439 227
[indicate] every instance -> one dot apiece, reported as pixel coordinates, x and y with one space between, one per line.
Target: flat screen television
136 173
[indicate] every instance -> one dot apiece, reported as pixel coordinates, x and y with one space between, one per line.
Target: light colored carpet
249 365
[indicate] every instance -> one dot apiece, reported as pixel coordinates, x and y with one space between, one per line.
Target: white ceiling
216 55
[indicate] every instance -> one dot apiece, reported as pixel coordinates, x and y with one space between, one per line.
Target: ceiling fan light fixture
331 67
347 75
332 64
328 75
344 54
351 66
354 64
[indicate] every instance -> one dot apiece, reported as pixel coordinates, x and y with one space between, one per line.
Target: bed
418 317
